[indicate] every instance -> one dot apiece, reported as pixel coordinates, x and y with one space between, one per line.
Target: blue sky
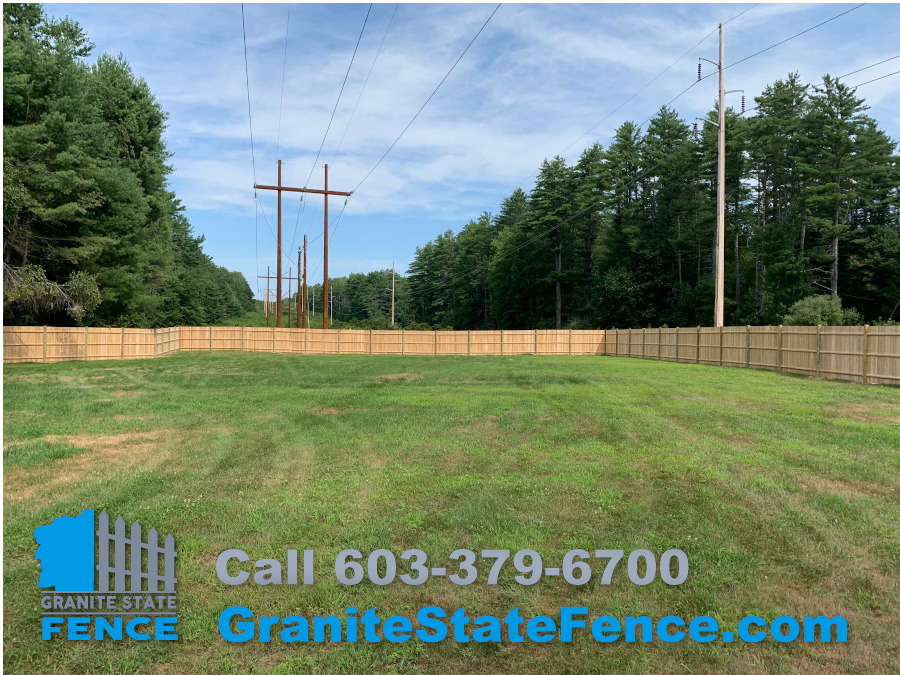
537 79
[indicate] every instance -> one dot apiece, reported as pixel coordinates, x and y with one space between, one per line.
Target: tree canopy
624 238
91 231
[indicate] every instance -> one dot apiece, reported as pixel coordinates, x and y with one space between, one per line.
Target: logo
105 584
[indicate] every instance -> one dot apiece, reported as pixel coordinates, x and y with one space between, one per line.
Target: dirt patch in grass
879 414
104 452
325 410
119 394
853 489
398 377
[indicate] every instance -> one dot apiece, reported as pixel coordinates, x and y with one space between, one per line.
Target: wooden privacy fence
47 344
868 354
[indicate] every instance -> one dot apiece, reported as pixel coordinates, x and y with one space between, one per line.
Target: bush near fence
868 354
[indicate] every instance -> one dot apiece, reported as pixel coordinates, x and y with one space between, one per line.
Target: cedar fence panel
23 343
883 354
764 341
842 352
734 346
456 342
623 342
553 341
799 353
668 344
589 342
387 342
857 353
688 344
486 342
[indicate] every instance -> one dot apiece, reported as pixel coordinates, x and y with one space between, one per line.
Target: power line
337 102
406 128
283 71
358 98
247 77
630 98
328 128
803 32
858 70
252 152
761 51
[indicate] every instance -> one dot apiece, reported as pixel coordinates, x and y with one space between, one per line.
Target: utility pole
289 297
719 312
325 192
268 302
392 293
305 291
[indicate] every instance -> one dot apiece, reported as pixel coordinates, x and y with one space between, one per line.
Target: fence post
865 355
339 341
435 342
370 341
818 350
616 352
780 345
643 343
306 340
121 353
748 346
698 344
721 343
155 344
44 356
469 343
630 331
570 341
273 340
676 343
659 345
501 343
402 341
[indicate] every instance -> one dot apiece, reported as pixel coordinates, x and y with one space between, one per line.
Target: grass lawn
783 491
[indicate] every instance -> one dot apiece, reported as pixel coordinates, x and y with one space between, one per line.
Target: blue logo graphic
98 572
66 552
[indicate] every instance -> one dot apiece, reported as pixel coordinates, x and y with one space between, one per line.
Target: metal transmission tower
280 188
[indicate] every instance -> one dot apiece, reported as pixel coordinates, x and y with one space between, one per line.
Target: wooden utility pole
719 312
305 290
268 301
720 193
289 296
325 192
392 293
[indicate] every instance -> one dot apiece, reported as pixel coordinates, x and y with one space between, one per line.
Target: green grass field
783 491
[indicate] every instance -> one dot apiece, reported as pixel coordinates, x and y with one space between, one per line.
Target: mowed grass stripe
783 491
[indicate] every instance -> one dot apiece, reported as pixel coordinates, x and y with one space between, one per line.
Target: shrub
820 310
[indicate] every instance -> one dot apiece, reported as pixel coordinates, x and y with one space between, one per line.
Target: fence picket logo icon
96 572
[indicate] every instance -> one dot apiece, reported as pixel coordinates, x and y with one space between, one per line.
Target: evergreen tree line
624 238
91 232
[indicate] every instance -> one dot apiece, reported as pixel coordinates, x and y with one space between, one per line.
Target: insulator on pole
743 102
699 66
695 130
